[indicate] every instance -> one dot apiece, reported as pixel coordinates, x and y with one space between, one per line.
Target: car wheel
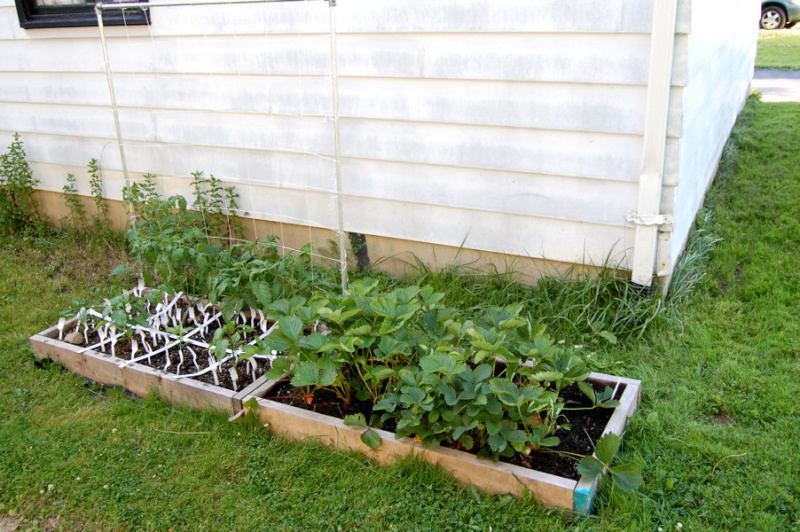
773 18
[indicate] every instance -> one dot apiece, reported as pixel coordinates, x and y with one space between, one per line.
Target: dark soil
322 402
586 426
246 375
123 347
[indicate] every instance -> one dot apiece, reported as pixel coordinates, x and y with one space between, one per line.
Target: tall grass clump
601 304
471 288
575 305
693 264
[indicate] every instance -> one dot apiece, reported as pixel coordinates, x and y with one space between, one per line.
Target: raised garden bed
487 475
151 357
173 351
141 379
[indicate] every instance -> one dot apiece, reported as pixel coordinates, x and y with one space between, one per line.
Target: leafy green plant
18 206
485 381
125 312
603 399
168 238
628 477
561 369
369 437
230 336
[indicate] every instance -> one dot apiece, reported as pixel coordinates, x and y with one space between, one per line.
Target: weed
96 188
577 306
76 219
217 206
18 207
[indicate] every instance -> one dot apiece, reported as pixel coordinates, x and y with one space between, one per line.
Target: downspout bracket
663 221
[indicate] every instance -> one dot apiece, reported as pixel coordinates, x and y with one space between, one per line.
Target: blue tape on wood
583 499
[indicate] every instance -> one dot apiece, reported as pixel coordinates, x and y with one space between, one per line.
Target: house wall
511 127
720 65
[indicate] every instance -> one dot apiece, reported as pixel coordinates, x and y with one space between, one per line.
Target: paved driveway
777 85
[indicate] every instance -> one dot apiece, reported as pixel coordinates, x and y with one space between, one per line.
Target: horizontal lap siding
214 130
216 55
269 169
516 149
512 127
521 143
576 58
544 196
278 95
524 104
243 101
525 236
590 16
286 205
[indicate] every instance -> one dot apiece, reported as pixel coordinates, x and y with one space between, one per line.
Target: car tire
772 18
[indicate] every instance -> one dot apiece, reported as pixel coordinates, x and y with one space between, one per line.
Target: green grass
716 435
779 50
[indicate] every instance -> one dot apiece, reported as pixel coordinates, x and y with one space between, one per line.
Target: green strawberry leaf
355 420
590 467
371 439
606 447
627 477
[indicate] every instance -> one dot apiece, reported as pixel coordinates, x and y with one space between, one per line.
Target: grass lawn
779 49
717 434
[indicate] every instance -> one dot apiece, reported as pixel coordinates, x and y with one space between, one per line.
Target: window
70 13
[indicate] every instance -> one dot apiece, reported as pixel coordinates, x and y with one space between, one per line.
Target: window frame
32 16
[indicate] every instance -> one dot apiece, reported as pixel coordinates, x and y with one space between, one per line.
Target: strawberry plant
491 387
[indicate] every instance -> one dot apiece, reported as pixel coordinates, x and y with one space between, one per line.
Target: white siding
510 127
721 58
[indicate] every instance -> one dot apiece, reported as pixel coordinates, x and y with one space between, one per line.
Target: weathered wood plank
196 394
486 475
97 367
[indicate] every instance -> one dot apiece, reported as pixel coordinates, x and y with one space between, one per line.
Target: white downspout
648 217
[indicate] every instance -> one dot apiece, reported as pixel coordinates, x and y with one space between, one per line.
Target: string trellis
216 89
